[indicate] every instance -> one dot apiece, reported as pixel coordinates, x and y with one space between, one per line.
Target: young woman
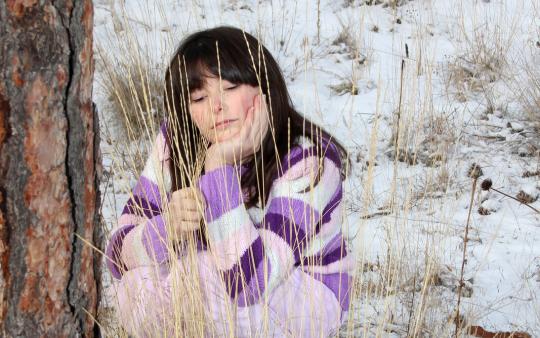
264 210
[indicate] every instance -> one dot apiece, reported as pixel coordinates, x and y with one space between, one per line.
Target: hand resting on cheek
246 143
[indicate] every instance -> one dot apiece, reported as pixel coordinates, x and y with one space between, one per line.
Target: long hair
238 57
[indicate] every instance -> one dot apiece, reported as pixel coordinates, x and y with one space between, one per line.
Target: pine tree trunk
49 157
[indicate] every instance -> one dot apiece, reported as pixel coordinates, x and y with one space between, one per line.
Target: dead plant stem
397 140
460 286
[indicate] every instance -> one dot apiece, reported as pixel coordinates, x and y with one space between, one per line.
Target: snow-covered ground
454 70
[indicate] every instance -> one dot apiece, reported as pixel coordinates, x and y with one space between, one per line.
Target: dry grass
350 39
351 42
527 89
421 134
134 90
384 3
345 87
430 143
482 56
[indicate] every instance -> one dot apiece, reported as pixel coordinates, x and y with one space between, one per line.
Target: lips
223 124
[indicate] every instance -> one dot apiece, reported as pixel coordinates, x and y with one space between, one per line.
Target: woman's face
220 108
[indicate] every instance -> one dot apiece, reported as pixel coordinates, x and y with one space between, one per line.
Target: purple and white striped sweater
255 250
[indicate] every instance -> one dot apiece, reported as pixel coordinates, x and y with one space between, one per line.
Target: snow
427 203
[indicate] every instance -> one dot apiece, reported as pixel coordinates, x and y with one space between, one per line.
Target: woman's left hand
246 143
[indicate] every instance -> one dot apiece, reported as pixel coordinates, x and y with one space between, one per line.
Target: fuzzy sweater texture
284 269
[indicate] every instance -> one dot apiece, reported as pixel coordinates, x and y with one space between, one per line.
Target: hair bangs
202 61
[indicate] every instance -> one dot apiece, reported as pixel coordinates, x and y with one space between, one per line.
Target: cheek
246 101
197 116
246 105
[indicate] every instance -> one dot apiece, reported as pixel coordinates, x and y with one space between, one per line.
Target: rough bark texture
48 157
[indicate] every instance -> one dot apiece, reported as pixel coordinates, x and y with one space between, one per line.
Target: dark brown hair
242 60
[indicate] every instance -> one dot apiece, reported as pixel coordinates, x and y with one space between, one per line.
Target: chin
225 136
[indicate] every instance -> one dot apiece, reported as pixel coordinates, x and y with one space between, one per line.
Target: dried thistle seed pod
474 171
523 197
484 211
486 184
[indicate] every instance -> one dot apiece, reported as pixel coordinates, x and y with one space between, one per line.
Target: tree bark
49 156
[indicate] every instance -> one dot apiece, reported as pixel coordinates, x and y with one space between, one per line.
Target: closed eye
231 87
198 99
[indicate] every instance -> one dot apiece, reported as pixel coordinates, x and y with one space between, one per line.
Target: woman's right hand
248 141
185 211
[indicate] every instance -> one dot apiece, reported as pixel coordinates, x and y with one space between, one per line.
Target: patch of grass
384 3
435 183
349 40
529 100
429 142
345 87
482 60
134 91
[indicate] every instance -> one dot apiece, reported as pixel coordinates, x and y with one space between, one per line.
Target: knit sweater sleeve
254 258
140 237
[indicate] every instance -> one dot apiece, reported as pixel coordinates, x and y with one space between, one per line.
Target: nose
216 103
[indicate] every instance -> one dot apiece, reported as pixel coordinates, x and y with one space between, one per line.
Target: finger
191 196
191 226
193 203
176 215
185 203
262 108
199 197
180 194
257 101
265 117
255 110
186 206
262 121
257 106
191 216
245 136
248 123
186 215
